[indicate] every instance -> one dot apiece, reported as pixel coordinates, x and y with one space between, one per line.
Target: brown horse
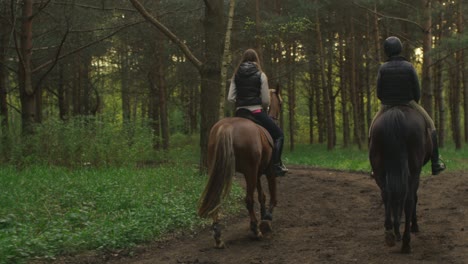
238 144
399 146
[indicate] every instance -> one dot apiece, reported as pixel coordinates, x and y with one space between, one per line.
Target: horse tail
396 160
220 172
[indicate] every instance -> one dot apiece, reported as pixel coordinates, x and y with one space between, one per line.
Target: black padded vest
248 85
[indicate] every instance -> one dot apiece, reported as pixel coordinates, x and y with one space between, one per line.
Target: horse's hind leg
265 224
261 197
389 233
217 231
251 181
273 201
414 220
409 206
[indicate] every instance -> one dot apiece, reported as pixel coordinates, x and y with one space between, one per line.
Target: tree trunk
4 33
4 127
344 95
211 72
354 89
454 79
61 94
368 86
76 86
459 77
226 59
426 87
290 58
376 35
325 93
461 61
27 94
160 75
331 96
154 110
258 38
86 83
311 97
124 81
438 83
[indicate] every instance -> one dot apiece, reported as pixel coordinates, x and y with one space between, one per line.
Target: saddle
385 108
245 113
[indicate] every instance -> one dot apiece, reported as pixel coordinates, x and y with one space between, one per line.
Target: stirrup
283 168
438 167
278 170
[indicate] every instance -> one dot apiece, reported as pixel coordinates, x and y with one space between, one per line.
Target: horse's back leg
397 211
414 220
265 224
273 199
217 231
251 182
389 232
409 207
261 197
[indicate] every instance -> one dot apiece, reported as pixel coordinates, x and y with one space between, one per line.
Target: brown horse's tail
221 169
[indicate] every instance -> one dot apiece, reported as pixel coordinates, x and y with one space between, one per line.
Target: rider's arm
379 85
415 85
232 92
265 92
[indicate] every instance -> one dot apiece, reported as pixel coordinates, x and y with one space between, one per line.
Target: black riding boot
276 157
437 165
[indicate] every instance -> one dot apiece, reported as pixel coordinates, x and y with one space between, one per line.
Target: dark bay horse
399 147
239 144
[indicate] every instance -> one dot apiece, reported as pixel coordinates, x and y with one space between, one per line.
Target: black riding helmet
392 46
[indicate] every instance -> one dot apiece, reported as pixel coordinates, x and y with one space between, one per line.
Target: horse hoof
406 249
256 235
268 216
390 238
220 245
265 226
398 237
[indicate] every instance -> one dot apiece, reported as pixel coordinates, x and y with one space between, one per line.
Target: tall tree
27 91
426 85
210 70
226 58
5 33
325 87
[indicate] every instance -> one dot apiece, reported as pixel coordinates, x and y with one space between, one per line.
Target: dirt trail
326 217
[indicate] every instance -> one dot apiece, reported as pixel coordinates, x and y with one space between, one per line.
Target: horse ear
278 92
278 89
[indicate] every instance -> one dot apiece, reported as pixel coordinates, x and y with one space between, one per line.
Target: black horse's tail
396 161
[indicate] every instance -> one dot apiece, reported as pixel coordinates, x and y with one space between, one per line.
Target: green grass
48 211
353 159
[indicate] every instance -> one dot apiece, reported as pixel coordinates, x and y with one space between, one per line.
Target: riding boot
276 157
437 165
283 167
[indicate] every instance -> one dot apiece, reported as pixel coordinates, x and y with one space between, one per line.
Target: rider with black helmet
398 84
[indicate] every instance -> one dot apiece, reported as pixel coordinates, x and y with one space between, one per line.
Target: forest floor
323 216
